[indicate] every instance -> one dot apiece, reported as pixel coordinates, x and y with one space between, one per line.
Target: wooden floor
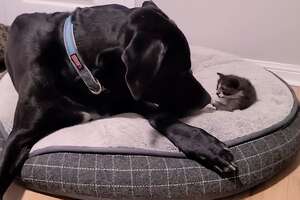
284 186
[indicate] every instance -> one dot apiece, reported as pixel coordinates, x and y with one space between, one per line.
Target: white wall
10 9
256 29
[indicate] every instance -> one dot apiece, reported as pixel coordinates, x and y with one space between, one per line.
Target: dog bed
122 157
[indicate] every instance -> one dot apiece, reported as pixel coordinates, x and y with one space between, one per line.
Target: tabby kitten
235 93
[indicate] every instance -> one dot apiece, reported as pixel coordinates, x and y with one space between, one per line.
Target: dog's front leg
195 143
33 121
14 154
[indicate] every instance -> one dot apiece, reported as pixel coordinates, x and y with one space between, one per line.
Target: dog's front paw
210 152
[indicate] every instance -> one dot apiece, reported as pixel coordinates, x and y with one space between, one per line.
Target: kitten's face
227 86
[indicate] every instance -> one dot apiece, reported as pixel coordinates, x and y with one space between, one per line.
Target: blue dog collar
77 62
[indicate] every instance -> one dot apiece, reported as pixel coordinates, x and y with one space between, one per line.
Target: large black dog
139 56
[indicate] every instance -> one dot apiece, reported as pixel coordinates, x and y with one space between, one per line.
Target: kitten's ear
220 75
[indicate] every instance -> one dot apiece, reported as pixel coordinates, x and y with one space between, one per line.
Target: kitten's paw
215 104
211 106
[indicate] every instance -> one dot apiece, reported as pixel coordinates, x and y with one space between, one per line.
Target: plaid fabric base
96 176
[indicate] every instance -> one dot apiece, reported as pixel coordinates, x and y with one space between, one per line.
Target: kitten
235 93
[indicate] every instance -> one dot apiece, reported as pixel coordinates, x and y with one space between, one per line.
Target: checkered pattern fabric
98 176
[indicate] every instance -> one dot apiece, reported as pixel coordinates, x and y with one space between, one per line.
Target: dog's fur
139 55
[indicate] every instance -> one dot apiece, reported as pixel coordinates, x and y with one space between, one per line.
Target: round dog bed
123 158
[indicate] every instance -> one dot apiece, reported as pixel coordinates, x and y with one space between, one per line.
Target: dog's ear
149 4
143 58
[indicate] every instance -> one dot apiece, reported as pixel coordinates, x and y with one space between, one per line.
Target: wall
257 29
9 9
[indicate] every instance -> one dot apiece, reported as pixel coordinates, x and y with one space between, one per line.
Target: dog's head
158 65
157 59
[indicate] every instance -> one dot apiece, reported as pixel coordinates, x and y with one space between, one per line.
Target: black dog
139 56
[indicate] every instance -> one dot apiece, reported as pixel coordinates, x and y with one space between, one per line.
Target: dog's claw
226 148
231 165
218 169
224 164
225 170
230 169
224 167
